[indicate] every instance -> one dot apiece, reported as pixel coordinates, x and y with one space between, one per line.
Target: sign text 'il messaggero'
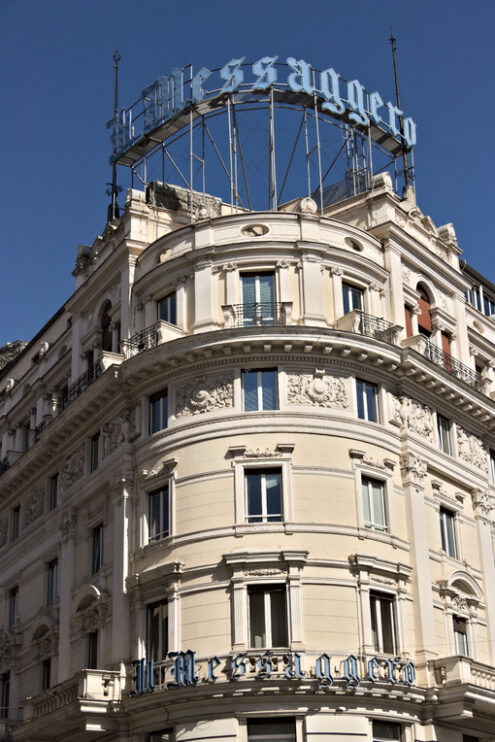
170 94
183 670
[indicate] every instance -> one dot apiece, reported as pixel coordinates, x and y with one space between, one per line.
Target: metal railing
376 327
147 338
452 365
4 465
81 384
259 314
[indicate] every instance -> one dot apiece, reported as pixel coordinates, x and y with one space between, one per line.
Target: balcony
259 314
461 670
370 326
147 338
451 365
81 384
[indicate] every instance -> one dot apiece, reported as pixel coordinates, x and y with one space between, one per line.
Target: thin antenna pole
397 94
114 207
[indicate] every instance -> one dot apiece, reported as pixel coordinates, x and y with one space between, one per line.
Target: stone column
240 610
66 572
121 629
312 292
414 473
174 633
204 296
338 299
180 302
283 280
483 509
393 264
150 312
415 312
295 607
230 270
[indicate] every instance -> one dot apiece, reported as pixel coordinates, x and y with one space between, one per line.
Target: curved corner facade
247 484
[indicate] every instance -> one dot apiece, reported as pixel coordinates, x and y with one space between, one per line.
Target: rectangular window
353 298
259 390
53 492
94 453
267 617
13 606
46 667
460 636
271 730
92 650
367 395
158 411
384 731
258 298
263 495
492 465
167 309
447 532
375 515
157 631
443 429
16 522
159 518
383 623
97 549
52 582
4 695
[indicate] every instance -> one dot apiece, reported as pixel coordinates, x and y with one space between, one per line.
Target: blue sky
56 96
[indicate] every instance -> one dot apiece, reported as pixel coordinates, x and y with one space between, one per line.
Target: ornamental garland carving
260 453
318 390
4 529
34 506
204 394
416 417
73 468
471 450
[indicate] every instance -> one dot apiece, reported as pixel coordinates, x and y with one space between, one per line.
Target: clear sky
56 94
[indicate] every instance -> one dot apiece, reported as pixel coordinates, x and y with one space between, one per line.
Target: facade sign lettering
183 671
170 94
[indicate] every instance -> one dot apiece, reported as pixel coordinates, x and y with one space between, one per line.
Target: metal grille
258 314
147 338
376 327
81 384
452 365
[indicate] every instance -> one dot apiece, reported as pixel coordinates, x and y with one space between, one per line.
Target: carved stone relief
414 467
34 506
416 417
482 501
68 523
318 390
111 436
204 394
472 450
73 468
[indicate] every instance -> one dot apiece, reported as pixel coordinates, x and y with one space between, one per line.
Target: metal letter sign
171 94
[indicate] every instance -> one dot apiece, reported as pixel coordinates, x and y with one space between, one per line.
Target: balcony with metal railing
370 326
423 345
147 338
81 384
258 314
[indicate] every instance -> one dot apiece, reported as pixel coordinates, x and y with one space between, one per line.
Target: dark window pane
250 388
257 618
254 507
269 386
273 496
278 618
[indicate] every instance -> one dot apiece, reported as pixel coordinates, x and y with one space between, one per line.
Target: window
52 580
443 430
424 318
46 667
92 650
267 617
16 521
259 390
374 504
258 297
157 631
97 549
383 623
52 492
367 395
266 730
159 519
4 695
263 495
106 325
383 731
492 465
447 532
166 735
94 452
13 606
460 635
158 411
353 298
167 309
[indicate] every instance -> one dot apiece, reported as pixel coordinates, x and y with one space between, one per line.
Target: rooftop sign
295 82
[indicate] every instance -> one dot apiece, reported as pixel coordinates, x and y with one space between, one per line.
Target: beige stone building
247 482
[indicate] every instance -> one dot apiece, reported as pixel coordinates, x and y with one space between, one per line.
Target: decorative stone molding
471 449
370 461
414 467
73 468
4 531
94 618
229 267
111 437
318 390
165 469
204 394
34 507
98 509
283 264
128 423
264 572
260 453
336 271
416 417
308 206
9 647
67 524
482 502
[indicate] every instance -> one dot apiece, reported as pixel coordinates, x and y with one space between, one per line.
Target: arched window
424 317
106 333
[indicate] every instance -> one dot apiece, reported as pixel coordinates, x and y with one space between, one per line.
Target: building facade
247 483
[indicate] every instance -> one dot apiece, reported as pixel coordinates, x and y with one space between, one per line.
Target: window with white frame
367 400
259 389
158 411
386 731
271 730
157 631
460 635
374 509
159 514
447 532
353 297
167 308
264 502
267 616
258 298
443 431
383 622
